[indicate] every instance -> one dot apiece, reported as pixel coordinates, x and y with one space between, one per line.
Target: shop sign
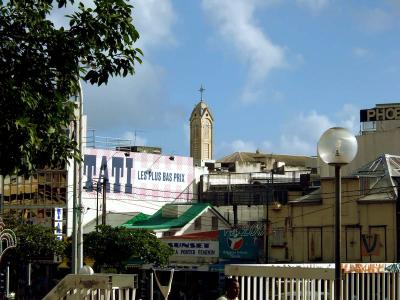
58 222
240 244
194 248
380 114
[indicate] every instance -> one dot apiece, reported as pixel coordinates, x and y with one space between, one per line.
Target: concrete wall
309 228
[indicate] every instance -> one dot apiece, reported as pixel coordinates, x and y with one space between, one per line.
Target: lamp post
337 147
97 206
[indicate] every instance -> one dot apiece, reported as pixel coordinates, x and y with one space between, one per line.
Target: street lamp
337 147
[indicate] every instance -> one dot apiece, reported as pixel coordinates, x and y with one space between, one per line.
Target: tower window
206 151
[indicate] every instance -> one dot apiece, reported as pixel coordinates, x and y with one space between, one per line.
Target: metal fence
305 281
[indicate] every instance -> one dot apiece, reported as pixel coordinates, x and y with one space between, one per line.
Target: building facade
303 230
38 198
379 134
201 133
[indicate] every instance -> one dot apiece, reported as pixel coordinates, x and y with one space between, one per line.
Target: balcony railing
96 286
307 281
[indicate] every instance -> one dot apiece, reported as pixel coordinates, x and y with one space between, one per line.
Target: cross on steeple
201 90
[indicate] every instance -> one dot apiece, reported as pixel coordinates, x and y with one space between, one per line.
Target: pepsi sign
240 244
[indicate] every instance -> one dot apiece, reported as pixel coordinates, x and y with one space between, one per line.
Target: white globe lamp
86 270
337 147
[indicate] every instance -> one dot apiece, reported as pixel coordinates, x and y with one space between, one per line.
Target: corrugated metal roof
384 168
384 164
157 221
290 160
313 197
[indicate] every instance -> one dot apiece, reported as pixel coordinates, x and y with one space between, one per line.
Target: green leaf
40 68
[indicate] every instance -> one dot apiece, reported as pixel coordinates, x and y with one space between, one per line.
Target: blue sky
277 73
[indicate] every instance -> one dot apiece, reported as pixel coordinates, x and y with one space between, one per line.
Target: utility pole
74 212
270 197
230 201
2 196
103 217
77 238
80 175
398 224
97 205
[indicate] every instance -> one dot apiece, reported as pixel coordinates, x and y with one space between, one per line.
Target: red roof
206 235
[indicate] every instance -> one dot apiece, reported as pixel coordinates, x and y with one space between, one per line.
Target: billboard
137 176
244 243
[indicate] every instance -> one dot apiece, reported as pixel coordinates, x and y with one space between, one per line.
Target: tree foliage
114 246
36 242
40 68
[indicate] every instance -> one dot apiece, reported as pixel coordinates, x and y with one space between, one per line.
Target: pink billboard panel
137 176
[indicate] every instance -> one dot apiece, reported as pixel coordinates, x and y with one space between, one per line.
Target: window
365 184
197 224
278 237
207 129
214 223
206 151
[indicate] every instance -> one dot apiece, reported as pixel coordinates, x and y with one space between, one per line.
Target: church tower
201 131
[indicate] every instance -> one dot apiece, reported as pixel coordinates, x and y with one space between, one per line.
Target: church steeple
201 130
201 90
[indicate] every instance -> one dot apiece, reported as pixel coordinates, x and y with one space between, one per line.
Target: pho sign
380 114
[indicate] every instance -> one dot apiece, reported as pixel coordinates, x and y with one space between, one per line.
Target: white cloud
237 145
349 118
375 20
360 52
154 20
240 145
295 145
236 24
266 146
314 5
137 101
130 103
301 135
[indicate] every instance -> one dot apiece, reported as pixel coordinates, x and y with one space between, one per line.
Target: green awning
160 222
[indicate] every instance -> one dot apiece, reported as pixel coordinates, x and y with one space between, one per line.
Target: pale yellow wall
377 214
306 219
